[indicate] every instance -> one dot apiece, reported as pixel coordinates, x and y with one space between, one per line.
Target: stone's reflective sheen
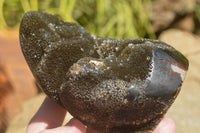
114 86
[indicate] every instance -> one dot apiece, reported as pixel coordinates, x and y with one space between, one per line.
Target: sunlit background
176 22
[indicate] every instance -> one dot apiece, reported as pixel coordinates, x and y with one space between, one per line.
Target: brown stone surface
186 23
186 109
17 72
185 42
166 12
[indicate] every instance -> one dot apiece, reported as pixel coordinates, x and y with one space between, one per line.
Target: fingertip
36 127
168 120
167 125
48 116
77 125
73 126
170 123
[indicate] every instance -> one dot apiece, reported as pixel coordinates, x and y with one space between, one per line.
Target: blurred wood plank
5 90
17 74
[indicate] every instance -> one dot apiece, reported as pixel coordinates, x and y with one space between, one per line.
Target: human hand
50 116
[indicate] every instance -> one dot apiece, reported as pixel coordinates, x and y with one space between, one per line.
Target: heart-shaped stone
110 85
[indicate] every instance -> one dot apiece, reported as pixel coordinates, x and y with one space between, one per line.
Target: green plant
197 11
109 18
29 5
116 18
2 20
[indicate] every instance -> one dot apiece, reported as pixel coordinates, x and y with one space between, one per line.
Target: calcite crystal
113 86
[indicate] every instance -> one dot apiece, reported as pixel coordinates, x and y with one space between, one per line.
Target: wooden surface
16 73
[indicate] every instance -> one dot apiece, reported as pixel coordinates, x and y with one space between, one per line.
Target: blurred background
176 22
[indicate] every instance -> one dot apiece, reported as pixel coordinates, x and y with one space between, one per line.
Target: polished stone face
110 85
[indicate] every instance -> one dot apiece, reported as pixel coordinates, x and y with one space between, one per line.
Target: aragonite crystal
113 86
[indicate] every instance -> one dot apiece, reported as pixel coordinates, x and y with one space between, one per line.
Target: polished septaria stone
110 85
